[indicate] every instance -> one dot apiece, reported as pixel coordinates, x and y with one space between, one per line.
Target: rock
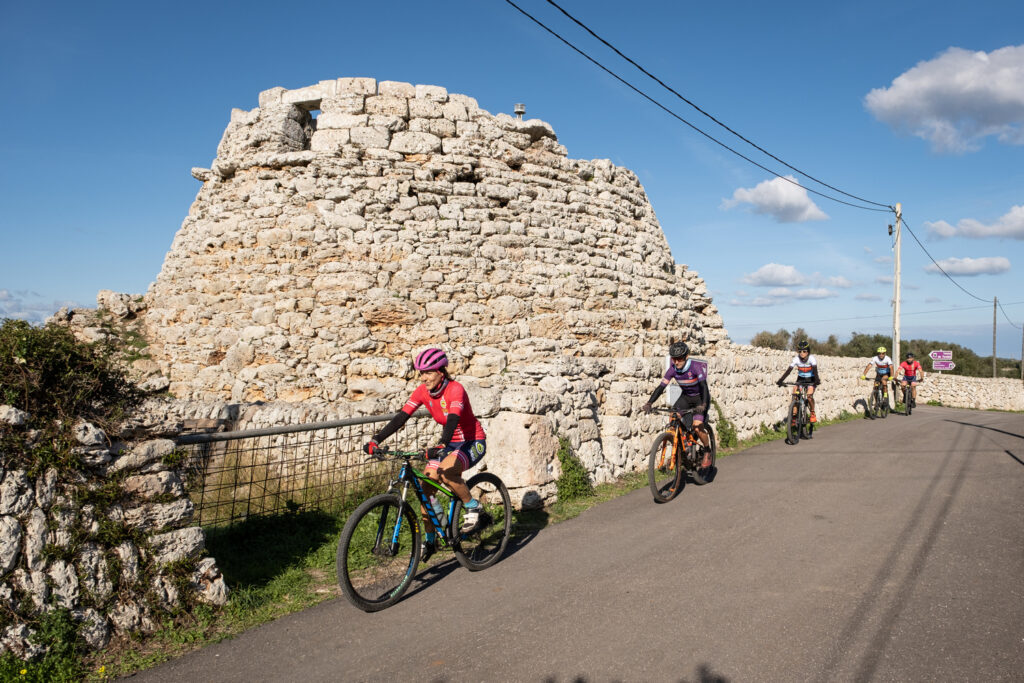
527 455
177 545
12 416
208 583
143 454
17 495
65 583
94 627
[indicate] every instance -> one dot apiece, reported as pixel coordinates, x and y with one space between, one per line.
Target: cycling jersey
806 370
688 377
883 367
910 370
452 401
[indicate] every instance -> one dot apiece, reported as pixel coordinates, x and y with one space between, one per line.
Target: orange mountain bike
678 449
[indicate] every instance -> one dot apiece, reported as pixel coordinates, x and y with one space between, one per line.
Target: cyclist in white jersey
884 370
806 375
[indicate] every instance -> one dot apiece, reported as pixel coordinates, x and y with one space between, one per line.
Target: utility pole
896 289
995 302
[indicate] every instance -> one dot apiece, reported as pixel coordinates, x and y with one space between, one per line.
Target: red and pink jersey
911 369
452 401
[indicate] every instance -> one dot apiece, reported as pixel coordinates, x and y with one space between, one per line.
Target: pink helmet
431 359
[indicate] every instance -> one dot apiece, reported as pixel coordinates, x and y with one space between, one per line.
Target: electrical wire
941 269
1000 304
684 99
661 106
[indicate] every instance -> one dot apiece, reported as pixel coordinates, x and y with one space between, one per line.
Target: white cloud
838 281
783 201
1010 224
760 301
775 275
814 293
986 265
957 99
868 297
884 280
27 305
939 229
883 259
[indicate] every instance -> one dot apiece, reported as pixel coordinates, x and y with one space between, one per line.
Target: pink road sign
943 365
941 355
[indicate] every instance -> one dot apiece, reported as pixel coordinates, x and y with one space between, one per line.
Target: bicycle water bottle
438 510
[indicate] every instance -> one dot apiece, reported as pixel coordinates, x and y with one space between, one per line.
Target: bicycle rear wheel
378 552
482 548
704 475
664 468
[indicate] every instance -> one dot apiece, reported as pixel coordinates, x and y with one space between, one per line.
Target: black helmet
804 345
909 354
678 350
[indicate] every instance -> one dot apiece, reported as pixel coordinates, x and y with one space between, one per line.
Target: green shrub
62 662
50 374
57 379
574 481
727 437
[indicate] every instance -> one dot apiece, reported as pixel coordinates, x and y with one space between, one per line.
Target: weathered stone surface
35 539
65 583
142 454
148 486
12 416
10 543
92 567
208 582
157 516
178 545
17 494
528 450
94 627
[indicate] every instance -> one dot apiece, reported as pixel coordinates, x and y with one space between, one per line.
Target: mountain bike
909 402
675 450
878 404
798 424
379 548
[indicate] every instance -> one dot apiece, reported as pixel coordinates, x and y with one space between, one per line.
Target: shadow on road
1015 457
991 429
704 674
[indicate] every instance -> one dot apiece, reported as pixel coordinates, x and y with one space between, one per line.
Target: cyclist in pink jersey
462 444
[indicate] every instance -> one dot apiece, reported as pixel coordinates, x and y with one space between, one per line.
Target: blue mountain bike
379 548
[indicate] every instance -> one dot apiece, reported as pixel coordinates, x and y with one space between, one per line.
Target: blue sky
107 106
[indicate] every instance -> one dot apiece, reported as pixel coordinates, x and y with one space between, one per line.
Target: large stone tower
347 224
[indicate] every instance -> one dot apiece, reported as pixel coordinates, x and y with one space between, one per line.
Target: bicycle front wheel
908 399
885 405
806 427
378 552
792 423
485 546
701 474
874 410
664 468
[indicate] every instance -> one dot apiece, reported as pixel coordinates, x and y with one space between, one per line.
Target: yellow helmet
880 349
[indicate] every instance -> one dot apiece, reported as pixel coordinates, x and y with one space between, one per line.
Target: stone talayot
402 216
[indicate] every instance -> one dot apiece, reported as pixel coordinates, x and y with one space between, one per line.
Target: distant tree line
968 363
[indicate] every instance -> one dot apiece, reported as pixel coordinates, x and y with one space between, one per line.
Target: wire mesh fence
233 476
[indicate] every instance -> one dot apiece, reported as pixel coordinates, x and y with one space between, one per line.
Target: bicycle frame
682 436
412 477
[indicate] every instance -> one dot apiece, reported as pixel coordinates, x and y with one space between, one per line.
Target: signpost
943 365
941 355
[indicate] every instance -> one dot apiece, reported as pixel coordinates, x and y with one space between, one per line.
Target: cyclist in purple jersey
692 377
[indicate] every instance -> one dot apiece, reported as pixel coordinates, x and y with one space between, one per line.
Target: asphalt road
886 550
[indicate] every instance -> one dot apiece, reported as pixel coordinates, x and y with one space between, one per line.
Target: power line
684 99
680 118
941 269
1000 304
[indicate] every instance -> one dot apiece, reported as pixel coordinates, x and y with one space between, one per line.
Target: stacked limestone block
119 560
320 253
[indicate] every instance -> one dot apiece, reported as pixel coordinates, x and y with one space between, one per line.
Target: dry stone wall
110 543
